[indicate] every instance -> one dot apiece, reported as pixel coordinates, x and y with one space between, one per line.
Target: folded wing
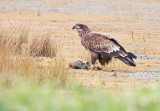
104 44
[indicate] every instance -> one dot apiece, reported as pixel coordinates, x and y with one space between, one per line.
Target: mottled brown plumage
103 47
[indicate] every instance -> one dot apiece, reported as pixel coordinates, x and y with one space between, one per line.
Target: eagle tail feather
128 60
131 55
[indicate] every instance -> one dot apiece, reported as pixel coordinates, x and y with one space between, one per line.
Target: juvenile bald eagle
103 47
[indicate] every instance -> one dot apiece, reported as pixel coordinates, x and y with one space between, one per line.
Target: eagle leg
94 57
103 61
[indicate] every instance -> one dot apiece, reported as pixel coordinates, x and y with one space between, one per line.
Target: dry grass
16 62
10 44
29 68
8 47
43 47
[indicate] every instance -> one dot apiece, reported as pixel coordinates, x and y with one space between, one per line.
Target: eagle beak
74 27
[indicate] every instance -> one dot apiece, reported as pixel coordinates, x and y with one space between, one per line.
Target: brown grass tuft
15 61
42 47
24 35
8 47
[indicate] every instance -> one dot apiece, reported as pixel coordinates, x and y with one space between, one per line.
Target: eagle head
80 26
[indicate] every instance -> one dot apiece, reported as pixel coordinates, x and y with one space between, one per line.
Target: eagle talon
102 67
98 68
92 67
95 68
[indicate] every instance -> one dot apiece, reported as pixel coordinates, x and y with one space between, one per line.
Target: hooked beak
74 27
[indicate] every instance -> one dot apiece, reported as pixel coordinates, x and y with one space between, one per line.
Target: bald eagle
103 47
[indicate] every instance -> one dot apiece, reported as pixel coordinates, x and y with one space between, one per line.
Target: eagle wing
103 44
